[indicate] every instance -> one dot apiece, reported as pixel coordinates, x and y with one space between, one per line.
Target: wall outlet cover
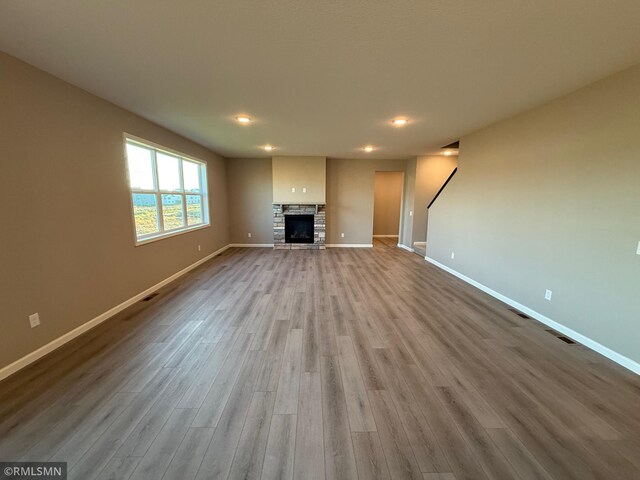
249 234
293 189
453 255
548 294
342 235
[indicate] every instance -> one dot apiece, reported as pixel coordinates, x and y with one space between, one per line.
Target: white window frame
204 196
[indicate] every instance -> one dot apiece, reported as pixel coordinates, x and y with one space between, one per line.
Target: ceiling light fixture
268 148
368 148
399 122
243 119
448 153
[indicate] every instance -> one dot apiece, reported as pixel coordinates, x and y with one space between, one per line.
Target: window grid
163 232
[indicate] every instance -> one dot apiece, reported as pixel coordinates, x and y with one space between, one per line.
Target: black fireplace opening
298 228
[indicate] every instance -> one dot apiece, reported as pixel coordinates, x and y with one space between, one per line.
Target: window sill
170 234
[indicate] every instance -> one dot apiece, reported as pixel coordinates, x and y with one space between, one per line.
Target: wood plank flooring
337 364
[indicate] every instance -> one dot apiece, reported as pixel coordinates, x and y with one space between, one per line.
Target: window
168 191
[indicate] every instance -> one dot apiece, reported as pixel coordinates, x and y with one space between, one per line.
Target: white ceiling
324 77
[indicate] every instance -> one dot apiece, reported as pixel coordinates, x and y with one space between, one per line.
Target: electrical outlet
34 320
342 235
638 250
293 189
249 234
304 189
411 213
199 248
547 295
453 255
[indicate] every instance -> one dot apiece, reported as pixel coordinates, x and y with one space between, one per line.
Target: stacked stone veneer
319 226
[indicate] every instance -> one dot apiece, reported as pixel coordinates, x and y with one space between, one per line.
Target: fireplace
298 228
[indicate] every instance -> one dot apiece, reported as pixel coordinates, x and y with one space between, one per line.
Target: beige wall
250 196
550 199
431 173
350 192
386 203
66 237
299 173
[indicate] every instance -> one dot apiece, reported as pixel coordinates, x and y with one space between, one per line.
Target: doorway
387 202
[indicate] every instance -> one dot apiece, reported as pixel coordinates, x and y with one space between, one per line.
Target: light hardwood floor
343 363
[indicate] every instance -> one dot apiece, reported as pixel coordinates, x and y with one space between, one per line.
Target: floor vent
519 313
567 340
559 336
150 297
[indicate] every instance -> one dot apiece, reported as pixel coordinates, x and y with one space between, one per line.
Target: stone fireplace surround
319 226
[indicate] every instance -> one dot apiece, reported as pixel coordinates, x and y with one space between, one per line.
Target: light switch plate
638 250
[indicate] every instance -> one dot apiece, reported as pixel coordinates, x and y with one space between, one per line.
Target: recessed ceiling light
243 119
369 148
399 122
268 148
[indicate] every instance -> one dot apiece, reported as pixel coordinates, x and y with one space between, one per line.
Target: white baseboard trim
349 245
578 337
408 249
248 245
385 236
67 337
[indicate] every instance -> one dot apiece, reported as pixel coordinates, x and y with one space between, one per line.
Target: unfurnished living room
296 239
